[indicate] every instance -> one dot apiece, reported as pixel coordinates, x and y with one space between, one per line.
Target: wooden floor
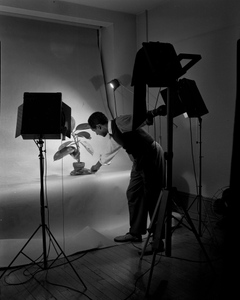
116 273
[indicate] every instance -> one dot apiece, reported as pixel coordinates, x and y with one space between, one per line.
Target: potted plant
72 147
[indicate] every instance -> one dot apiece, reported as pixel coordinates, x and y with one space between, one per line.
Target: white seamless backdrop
39 56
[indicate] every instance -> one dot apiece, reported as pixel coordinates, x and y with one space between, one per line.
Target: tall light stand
39 144
198 198
45 229
200 179
169 159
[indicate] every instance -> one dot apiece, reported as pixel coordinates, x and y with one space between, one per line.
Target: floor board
117 273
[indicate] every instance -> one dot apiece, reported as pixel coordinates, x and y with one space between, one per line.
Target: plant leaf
63 152
87 146
66 144
84 134
83 126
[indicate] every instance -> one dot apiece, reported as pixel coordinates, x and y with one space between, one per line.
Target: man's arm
125 122
106 157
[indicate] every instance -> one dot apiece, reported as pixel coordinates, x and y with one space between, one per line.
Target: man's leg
154 182
137 209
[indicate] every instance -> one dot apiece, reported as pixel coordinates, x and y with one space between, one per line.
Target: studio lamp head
114 84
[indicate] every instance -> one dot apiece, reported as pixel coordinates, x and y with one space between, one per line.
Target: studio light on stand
43 116
195 108
114 84
189 102
158 65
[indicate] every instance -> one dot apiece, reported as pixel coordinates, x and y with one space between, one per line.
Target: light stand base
162 209
45 266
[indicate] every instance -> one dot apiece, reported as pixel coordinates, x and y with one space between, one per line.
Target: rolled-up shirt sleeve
111 150
124 124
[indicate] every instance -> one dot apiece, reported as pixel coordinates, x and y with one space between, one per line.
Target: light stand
43 116
188 99
198 198
169 160
200 178
42 206
157 65
195 108
45 230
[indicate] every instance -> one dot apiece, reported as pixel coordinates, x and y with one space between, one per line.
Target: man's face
100 130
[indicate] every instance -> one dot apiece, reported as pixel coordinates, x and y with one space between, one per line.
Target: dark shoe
149 249
128 237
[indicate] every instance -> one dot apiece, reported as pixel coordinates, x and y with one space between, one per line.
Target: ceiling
127 6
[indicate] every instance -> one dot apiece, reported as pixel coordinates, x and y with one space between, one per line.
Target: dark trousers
147 179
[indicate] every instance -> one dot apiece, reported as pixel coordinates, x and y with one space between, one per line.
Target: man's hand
96 167
160 111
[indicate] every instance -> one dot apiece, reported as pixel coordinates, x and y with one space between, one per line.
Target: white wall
211 29
38 56
118 34
118 57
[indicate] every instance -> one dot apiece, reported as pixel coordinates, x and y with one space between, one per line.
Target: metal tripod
163 210
45 230
159 217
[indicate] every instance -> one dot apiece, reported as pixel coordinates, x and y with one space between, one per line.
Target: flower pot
78 165
79 169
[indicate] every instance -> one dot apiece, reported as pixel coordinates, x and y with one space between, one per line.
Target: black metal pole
42 206
200 179
168 237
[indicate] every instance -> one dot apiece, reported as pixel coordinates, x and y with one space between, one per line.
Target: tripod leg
145 246
20 251
62 252
151 272
158 232
150 229
190 222
160 220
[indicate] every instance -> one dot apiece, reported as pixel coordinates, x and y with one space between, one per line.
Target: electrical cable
63 215
196 182
46 195
143 274
33 275
191 260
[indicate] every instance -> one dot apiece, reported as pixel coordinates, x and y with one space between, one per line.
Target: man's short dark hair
97 118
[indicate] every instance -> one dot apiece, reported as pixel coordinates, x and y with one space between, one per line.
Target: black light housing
43 116
186 99
156 65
